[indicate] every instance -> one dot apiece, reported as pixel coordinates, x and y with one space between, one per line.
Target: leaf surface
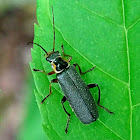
93 32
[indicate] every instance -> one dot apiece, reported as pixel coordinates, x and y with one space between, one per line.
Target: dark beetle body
78 95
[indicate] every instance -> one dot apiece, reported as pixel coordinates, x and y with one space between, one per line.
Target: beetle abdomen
78 95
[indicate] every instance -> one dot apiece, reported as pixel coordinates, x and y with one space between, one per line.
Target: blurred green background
19 115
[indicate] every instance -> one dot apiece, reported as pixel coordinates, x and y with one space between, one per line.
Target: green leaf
94 32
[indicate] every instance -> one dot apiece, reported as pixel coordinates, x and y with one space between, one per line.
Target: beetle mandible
74 88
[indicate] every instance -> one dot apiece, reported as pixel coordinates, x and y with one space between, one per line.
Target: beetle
74 88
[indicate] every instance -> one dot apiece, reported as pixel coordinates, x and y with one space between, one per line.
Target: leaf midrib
128 61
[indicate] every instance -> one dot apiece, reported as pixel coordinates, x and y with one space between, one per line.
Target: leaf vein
110 129
90 61
98 14
136 105
133 24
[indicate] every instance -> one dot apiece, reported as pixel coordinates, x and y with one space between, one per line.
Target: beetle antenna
38 45
53 30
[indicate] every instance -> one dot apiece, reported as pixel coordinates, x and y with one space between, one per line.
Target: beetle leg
50 73
70 57
52 81
62 101
75 64
96 85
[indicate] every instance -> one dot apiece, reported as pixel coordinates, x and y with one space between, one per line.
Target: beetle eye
48 59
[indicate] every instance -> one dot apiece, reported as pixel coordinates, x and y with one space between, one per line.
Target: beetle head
51 56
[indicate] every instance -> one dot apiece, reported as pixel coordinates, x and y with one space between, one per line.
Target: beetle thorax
59 64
